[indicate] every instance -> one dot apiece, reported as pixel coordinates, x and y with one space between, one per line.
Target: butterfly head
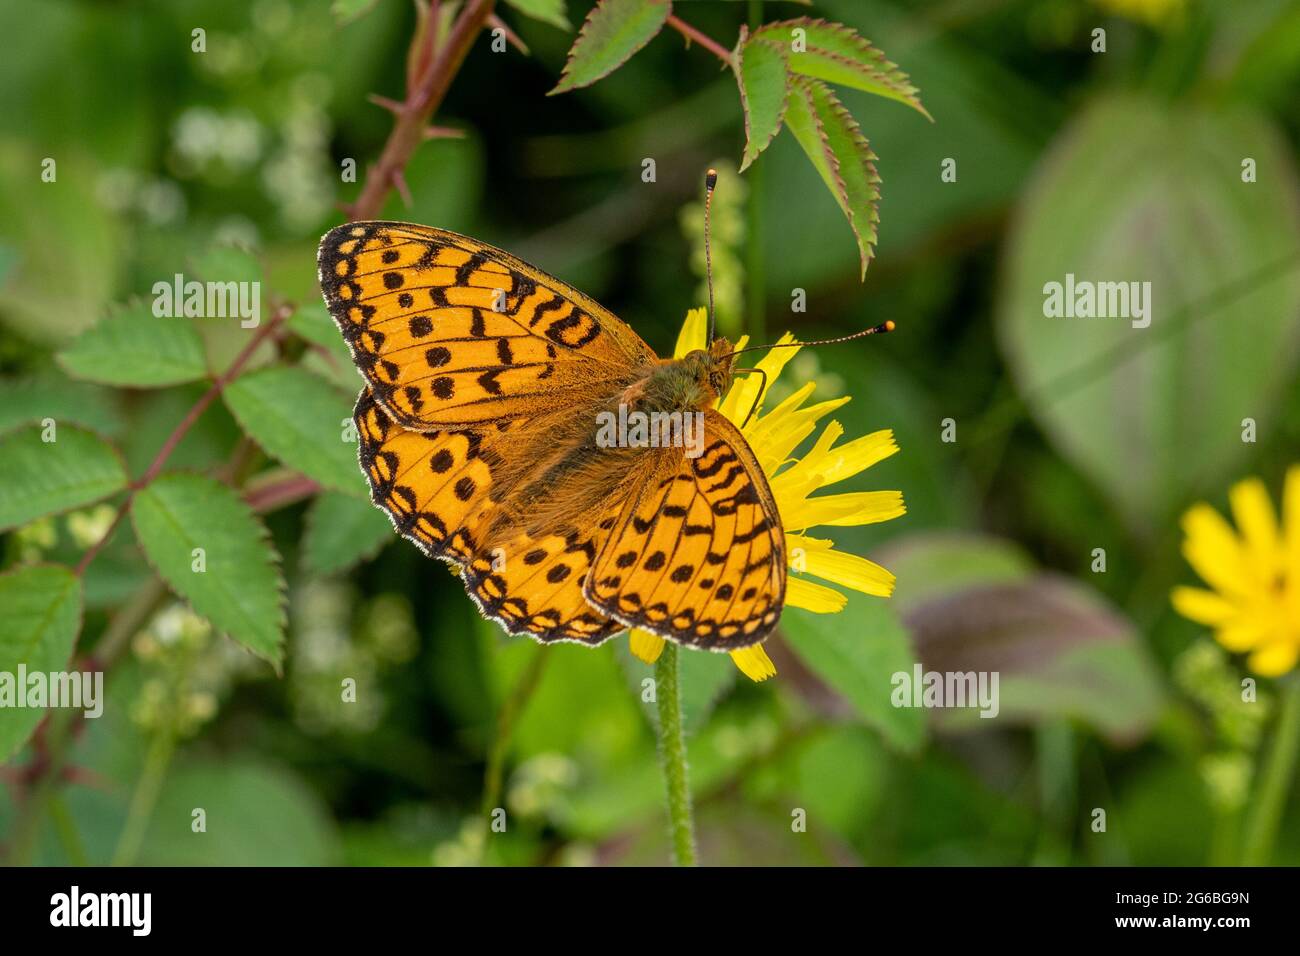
707 374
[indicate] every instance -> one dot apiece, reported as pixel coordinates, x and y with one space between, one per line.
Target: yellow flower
1253 573
1153 12
774 436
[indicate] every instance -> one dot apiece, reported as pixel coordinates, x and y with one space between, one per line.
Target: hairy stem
672 755
1275 779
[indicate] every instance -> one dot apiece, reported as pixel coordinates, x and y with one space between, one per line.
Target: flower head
1253 573
774 435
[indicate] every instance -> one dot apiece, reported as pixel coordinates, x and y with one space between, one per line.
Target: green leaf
837 54
764 89
257 815
704 679
612 32
548 11
300 420
27 400
342 530
334 359
136 349
1138 191
856 652
1058 648
345 11
840 154
931 565
39 478
214 552
42 615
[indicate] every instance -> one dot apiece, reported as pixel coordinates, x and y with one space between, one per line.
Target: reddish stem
713 46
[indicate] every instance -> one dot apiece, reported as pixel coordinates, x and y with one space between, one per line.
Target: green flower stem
1275 778
506 719
145 798
672 754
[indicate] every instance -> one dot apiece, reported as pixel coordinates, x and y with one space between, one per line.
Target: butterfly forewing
697 555
449 332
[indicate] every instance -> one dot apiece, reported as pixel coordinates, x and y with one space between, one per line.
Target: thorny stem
672 755
1275 779
412 116
694 35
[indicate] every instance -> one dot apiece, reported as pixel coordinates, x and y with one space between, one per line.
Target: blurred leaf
345 11
256 815
936 564
55 396
313 323
856 652
240 588
1137 191
42 614
300 420
134 348
548 11
764 88
836 53
40 478
1059 650
833 142
704 679
612 32
341 531
69 246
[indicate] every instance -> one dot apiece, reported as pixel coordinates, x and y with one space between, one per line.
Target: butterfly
478 432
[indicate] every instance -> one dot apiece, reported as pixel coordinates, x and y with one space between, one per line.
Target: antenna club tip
889 326
711 178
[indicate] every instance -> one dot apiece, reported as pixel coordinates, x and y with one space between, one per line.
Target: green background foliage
326 694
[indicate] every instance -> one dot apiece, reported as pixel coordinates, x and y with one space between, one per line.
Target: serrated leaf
300 420
240 588
840 154
836 53
345 11
136 349
39 478
42 615
856 652
342 530
548 11
761 72
27 400
612 32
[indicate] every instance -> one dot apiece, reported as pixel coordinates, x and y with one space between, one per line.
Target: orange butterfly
480 433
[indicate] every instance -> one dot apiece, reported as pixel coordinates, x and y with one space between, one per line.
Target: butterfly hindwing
449 332
697 553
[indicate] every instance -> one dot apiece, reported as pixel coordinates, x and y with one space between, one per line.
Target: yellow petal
1243 635
1291 513
850 571
754 662
749 388
1203 607
1275 658
1213 550
858 455
854 508
1253 510
800 592
694 331
645 646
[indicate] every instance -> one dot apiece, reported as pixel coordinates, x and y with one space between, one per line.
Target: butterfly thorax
690 383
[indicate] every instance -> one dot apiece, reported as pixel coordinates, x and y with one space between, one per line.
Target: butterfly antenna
880 329
710 183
